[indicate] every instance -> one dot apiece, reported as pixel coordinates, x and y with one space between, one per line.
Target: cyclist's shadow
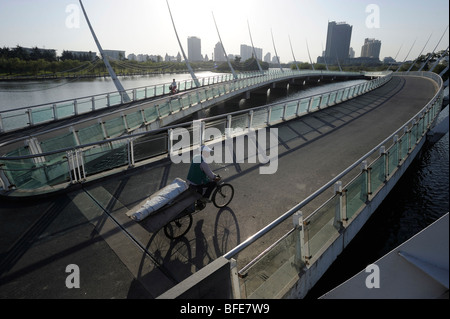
226 231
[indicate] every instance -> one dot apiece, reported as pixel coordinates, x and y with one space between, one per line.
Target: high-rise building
194 49
338 41
371 49
219 54
267 57
247 52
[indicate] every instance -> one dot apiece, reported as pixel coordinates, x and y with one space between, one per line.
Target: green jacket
196 175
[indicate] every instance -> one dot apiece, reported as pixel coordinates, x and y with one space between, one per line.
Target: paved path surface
119 258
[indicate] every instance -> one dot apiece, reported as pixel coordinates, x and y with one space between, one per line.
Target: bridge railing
19 118
313 225
60 159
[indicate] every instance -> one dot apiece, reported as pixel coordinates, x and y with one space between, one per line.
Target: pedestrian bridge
54 151
339 155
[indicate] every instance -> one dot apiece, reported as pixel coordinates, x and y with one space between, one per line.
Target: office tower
338 41
371 49
219 54
194 49
247 52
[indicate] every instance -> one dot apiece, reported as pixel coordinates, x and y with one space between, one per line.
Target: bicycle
221 196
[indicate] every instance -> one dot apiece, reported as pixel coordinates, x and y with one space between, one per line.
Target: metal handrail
296 208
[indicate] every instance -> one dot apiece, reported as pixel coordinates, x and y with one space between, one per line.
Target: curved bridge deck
39 239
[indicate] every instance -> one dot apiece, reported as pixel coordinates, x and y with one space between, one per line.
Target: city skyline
144 27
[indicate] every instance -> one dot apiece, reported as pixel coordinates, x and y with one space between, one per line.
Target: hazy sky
144 26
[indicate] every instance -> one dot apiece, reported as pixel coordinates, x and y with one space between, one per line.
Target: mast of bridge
276 54
191 71
113 75
254 51
223 48
295 61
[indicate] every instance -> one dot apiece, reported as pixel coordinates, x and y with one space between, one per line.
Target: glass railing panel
276 113
91 134
20 173
151 114
315 103
65 109
291 109
134 120
104 157
413 135
150 91
176 105
404 147
149 146
303 107
422 126
115 127
216 127
339 96
239 122
42 114
259 118
324 101
164 109
85 105
332 98
185 101
159 90
321 226
58 143
356 195
57 171
140 94
115 99
101 102
377 173
15 120
393 158
270 274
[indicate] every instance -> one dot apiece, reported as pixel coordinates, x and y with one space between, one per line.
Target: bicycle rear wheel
223 195
178 227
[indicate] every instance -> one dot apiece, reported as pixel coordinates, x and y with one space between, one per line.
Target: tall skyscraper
338 41
247 52
194 49
371 49
219 54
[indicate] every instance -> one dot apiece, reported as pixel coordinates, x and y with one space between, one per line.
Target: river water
420 197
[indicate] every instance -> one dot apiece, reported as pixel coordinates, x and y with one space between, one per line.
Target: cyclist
173 87
201 176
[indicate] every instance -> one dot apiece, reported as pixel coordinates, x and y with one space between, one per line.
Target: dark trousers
209 189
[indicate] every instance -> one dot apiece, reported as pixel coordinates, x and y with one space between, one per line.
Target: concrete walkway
119 258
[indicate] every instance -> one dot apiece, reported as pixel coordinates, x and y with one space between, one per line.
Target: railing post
301 248
169 142
250 119
2 130
228 127
93 104
340 214
30 117
75 106
235 279
55 112
131 152
365 172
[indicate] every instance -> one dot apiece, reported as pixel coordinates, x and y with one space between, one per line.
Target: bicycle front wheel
178 227
223 195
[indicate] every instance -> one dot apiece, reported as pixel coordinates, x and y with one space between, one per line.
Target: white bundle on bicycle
159 199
